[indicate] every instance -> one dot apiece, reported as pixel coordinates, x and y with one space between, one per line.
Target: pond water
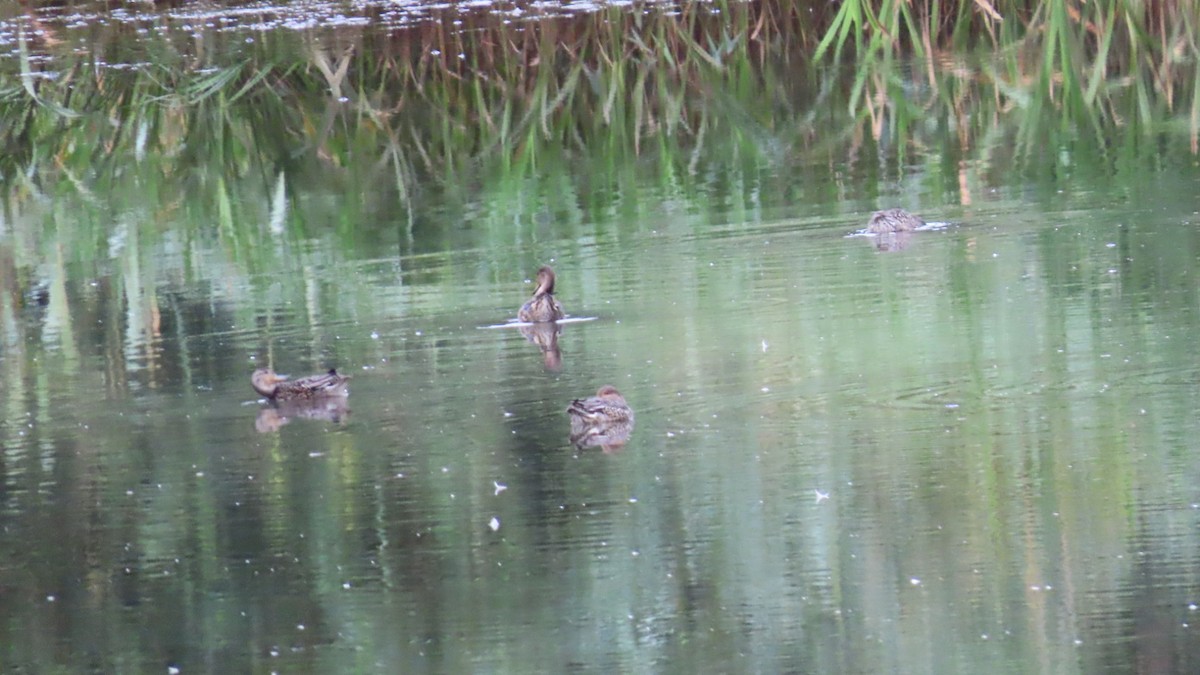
972 449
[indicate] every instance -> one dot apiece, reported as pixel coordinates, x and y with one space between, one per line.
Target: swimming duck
893 220
542 306
280 388
608 406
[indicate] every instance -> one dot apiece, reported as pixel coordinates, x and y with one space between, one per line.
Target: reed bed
232 143
439 99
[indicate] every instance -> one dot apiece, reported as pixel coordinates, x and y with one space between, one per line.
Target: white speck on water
633 500
494 523
914 581
766 389
670 434
499 487
821 496
507 414
1111 244
346 585
764 346
1193 607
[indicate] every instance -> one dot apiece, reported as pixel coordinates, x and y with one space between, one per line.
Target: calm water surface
974 453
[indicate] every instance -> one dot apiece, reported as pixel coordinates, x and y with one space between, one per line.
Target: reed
457 93
438 105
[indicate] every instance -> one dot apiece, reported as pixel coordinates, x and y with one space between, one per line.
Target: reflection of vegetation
245 139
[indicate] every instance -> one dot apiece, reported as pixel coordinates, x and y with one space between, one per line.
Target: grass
472 100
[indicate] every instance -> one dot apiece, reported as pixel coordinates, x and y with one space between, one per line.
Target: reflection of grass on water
439 98
290 136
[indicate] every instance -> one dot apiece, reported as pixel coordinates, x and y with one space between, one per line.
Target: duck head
266 382
545 279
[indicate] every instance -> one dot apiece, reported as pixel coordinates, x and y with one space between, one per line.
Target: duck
542 306
280 388
608 406
893 220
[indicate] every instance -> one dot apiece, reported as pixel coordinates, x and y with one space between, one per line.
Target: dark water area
965 449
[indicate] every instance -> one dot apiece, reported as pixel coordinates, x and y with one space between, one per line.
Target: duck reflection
892 241
276 414
609 438
603 420
545 336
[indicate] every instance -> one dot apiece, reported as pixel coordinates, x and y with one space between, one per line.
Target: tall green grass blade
849 16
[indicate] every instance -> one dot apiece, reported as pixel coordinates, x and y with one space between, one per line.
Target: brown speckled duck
542 306
893 220
280 388
608 406
604 420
